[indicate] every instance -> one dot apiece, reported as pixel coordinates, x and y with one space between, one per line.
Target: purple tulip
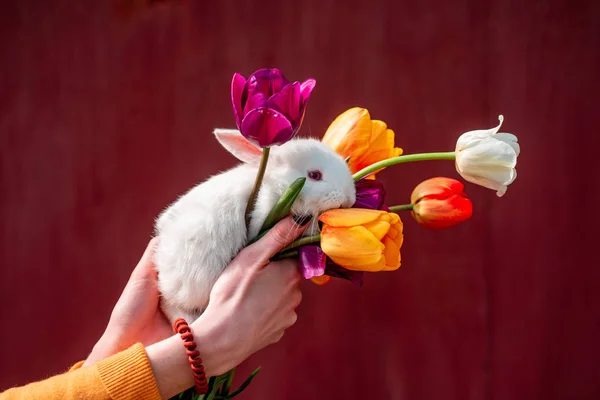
268 108
314 262
355 277
370 194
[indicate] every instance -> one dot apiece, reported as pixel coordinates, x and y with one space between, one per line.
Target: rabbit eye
315 175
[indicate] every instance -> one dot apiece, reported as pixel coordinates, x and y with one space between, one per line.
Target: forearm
170 366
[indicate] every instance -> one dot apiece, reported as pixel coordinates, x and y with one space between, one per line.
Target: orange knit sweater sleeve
126 375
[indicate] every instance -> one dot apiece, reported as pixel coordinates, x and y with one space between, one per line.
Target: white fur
204 229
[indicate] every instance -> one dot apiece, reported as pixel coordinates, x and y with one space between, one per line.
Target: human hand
253 302
251 305
136 318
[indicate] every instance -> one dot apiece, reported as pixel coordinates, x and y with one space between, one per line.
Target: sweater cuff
128 375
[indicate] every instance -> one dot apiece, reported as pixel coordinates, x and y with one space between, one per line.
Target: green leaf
185 395
242 387
214 385
284 205
227 386
347 159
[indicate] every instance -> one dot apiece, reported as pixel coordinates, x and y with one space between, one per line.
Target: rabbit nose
350 200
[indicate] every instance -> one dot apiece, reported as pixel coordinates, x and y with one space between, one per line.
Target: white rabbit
205 228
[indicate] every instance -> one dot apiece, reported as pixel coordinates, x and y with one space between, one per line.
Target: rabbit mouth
307 219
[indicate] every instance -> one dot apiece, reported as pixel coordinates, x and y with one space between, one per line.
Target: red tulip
440 203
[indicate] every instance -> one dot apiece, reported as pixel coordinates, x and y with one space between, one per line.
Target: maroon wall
106 115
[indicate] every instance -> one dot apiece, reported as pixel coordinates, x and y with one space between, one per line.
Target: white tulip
488 158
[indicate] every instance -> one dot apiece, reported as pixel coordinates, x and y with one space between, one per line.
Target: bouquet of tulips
269 111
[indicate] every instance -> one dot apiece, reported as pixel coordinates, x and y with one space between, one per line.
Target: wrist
170 364
219 353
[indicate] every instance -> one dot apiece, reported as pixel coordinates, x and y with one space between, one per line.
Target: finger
277 337
281 235
145 267
289 268
296 298
291 320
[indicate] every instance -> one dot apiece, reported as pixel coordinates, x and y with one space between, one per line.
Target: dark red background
106 112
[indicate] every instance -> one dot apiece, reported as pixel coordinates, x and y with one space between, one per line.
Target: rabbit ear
233 141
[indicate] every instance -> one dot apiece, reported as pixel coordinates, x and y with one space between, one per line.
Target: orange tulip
359 239
440 203
353 134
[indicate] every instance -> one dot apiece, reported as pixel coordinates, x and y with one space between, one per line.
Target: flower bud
488 158
268 108
440 203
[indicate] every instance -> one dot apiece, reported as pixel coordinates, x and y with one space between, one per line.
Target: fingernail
301 219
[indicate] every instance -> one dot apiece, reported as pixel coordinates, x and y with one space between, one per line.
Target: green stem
403 159
302 242
291 250
403 207
293 253
259 178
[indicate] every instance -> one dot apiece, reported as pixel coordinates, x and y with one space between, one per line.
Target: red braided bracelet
185 332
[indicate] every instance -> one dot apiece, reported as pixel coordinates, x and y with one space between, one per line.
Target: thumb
281 235
145 267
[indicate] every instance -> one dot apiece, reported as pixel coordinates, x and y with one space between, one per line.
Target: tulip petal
287 102
377 266
392 232
254 101
436 213
391 254
396 233
306 89
349 217
378 228
351 247
439 188
509 139
349 134
496 170
320 280
266 127
394 218
470 140
380 144
467 139
381 147
489 162
237 87
369 194
489 152
267 81
399 240
353 134
312 261
494 185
